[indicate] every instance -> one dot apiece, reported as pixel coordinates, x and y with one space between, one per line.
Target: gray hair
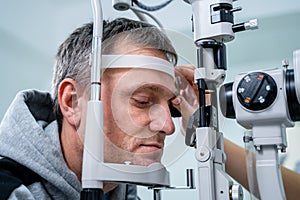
72 58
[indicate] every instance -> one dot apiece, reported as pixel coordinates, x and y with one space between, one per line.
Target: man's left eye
141 102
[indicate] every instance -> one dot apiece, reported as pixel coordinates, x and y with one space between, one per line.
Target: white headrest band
138 61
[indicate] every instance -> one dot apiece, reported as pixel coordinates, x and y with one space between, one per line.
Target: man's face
136 113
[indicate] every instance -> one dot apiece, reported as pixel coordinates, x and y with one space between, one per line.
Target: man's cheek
139 117
131 121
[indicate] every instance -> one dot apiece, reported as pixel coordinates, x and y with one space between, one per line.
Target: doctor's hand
187 100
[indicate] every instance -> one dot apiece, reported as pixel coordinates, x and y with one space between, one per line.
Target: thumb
187 110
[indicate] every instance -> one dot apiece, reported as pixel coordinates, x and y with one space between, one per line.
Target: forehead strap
138 61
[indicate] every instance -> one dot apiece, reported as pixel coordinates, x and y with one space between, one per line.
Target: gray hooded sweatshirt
29 136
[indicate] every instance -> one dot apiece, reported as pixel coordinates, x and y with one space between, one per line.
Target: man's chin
135 158
144 162
147 159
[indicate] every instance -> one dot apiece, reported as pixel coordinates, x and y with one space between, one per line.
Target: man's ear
68 101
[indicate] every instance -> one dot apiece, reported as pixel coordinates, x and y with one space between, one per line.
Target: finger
186 66
186 73
181 104
176 102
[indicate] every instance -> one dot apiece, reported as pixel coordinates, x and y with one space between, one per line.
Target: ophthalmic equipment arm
266 102
213 25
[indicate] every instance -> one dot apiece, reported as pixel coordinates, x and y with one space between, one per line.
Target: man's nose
161 120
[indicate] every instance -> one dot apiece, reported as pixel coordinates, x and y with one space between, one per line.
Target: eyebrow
159 89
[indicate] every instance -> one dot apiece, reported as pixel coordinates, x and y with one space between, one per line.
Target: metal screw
285 63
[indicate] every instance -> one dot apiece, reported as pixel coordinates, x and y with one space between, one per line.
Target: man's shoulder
13 175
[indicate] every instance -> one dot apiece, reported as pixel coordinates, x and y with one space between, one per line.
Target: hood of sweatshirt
29 135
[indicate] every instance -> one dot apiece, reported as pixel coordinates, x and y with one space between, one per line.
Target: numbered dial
257 91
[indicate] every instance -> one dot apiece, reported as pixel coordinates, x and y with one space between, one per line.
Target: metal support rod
156 194
210 73
190 178
93 142
96 68
202 111
95 59
268 170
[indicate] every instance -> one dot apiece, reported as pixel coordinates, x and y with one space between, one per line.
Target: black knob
292 101
226 100
257 91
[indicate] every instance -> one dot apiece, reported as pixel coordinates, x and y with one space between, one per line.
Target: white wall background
31 31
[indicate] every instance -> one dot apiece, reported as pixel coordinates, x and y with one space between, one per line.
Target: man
42 152
136 115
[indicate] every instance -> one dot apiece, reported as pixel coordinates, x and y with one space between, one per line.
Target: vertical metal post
93 141
156 194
